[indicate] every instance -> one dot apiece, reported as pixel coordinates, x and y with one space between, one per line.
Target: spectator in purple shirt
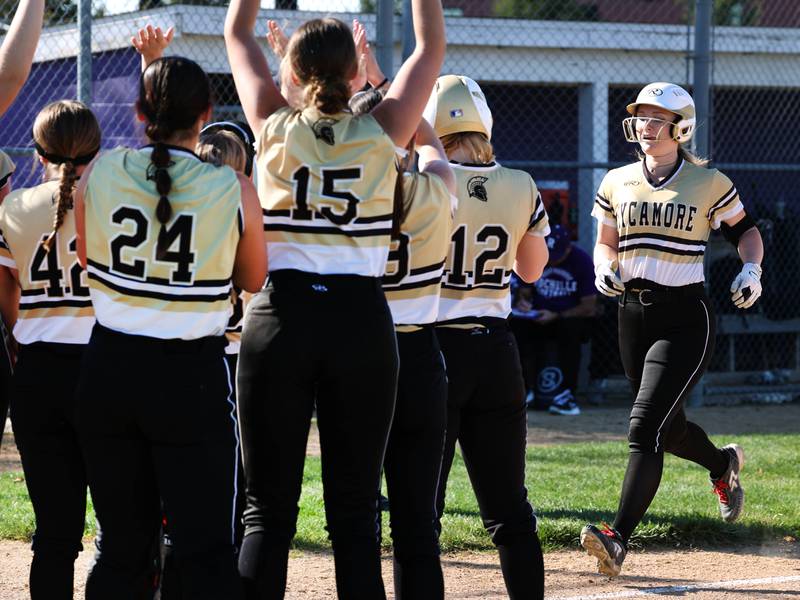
555 312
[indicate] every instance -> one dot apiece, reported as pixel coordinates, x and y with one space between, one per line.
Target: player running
654 217
500 225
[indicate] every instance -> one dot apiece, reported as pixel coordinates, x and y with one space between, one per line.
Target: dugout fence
558 74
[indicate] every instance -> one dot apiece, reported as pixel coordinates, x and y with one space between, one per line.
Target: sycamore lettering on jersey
413 277
54 303
664 227
326 184
496 208
186 294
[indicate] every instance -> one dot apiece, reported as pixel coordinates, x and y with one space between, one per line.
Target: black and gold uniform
486 405
52 329
414 450
156 413
320 335
666 324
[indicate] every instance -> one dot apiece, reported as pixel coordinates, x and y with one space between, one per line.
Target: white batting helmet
673 98
457 105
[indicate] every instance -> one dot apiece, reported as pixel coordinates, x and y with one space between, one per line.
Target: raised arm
402 108
432 157
150 42
257 91
19 46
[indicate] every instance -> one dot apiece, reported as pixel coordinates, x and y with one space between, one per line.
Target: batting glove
746 288
606 279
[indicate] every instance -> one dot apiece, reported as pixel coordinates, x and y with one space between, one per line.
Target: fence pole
701 83
702 75
408 30
85 52
384 36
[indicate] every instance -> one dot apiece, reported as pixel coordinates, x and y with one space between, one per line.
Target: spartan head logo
323 130
476 188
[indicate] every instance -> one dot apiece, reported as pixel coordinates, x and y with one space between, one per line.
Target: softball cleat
728 488
606 546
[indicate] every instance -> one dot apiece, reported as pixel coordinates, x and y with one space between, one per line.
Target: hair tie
57 159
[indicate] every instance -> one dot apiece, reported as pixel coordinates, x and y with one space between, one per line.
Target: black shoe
606 546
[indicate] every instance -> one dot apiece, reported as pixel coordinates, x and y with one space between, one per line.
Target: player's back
497 206
54 303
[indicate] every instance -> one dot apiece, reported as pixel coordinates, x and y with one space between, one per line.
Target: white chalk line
697 587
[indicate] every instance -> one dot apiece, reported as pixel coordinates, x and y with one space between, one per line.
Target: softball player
412 284
654 218
8 287
163 234
500 224
52 318
321 331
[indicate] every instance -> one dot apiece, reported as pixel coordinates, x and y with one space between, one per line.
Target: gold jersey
326 184
664 226
54 303
187 293
416 262
496 208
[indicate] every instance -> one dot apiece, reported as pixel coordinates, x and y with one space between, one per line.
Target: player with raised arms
654 217
320 333
47 303
500 225
412 285
164 237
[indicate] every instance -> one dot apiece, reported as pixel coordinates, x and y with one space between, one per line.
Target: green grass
569 485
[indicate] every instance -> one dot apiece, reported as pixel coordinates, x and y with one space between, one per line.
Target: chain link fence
558 74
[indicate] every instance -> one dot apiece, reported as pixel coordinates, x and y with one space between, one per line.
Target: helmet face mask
669 97
635 129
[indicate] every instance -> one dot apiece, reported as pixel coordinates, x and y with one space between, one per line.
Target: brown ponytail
65 189
323 57
67 135
160 159
173 94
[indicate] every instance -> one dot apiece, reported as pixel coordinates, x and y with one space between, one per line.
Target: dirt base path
743 573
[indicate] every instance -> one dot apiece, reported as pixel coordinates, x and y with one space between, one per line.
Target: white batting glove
606 279
746 288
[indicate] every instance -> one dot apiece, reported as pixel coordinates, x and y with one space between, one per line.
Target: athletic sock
639 487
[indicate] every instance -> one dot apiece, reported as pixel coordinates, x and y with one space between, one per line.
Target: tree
732 12
58 12
370 6
546 10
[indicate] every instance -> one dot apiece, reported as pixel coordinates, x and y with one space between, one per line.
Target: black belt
647 296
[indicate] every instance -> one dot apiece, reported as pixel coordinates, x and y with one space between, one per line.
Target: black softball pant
486 414
665 348
412 465
42 414
157 425
327 340
169 582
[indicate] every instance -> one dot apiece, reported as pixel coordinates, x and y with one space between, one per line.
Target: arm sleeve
603 209
724 199
539 224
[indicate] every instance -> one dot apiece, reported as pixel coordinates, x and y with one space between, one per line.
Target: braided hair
67 135
361 104
173 93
